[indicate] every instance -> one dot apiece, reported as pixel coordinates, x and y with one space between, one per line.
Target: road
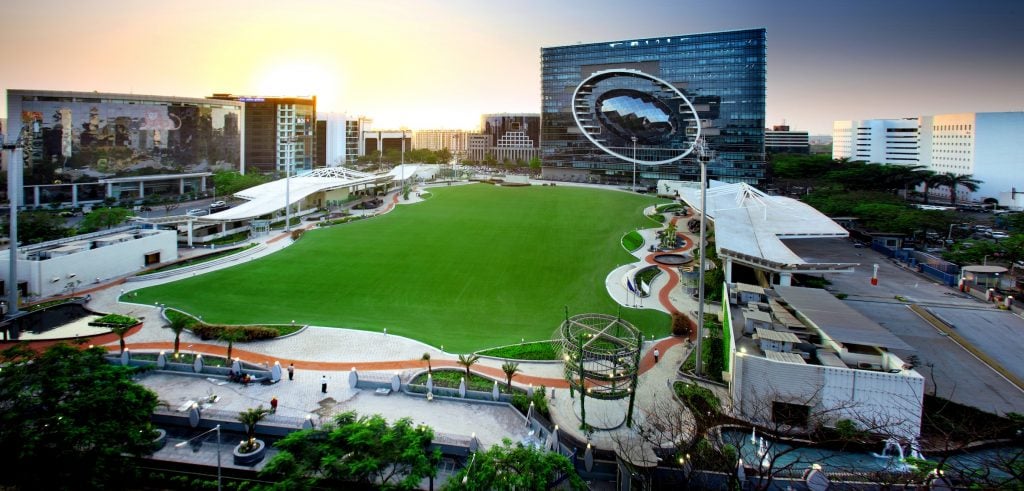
950 371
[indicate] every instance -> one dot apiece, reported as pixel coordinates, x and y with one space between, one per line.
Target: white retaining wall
890 400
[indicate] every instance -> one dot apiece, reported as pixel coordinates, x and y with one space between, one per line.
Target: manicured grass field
473 267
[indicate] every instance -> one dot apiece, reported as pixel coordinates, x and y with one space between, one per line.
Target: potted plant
250 451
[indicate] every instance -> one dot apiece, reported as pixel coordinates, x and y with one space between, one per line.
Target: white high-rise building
880 141
341 137
987 146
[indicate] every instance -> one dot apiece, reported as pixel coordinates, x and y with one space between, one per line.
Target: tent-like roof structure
270 197
750 226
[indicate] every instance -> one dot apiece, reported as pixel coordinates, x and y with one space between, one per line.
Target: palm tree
121 330
954 181
930 181
250 418
510 369
426 358
178 324
468 361
230 334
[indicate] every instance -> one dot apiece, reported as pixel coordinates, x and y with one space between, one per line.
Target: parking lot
957 374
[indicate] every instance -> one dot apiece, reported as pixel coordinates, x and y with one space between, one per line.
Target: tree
511 369
508 466
230 182
250 418
365 450
230 335
70 419
170 204
120 331
38 226
426 358
535 165
468 361
178 324
101 218
954 181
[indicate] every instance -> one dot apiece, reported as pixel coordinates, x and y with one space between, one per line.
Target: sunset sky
440 64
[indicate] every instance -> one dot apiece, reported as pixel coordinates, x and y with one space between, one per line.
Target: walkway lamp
186 442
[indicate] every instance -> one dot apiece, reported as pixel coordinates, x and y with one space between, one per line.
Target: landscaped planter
160 440
251 458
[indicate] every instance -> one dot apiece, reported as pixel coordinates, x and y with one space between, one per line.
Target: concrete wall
101 263
876 399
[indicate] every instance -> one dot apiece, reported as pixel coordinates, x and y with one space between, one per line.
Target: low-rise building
820 362
66 265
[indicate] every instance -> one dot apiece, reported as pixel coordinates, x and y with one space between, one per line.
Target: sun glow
301 78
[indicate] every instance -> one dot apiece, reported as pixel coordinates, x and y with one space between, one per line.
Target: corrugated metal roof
837 320
784 357
780 336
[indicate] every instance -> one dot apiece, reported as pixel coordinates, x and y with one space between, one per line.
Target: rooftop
836 320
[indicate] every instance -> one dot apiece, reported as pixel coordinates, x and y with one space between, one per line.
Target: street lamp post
703 260
217 429
634 163
289 156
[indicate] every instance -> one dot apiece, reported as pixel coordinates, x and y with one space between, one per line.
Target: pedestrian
656 355
273 404
291 371
323 384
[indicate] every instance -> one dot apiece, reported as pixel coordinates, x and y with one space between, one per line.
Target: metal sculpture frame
602 358
585 89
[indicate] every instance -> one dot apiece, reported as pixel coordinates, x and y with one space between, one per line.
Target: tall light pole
701 157
289 157
402 171
634 164
14 168
207 432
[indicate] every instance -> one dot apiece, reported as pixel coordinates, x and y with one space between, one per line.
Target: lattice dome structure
601 354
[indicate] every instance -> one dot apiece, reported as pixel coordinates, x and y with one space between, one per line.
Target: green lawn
475 266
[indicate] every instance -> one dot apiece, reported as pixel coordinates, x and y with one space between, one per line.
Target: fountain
892 452
763 454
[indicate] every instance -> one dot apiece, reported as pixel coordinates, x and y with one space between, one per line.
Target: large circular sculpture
601 354
628 111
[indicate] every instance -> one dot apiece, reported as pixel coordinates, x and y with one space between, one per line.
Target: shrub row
114 320
248 333
657 217
340 221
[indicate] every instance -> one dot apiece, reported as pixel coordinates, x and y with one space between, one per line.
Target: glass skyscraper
722 74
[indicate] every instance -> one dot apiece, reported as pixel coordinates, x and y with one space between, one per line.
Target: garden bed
540 350
451 379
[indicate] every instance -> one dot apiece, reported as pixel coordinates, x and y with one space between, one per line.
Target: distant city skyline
431 65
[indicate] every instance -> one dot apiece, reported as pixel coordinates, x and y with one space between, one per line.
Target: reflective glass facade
722 75
80 137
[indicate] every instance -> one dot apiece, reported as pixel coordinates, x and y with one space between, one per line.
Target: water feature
754 448
44 320
673 259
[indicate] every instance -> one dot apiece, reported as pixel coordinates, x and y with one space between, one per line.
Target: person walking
291 371
323 384
656 355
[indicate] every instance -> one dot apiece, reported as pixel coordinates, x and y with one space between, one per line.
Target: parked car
999 235
197 212
218 204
